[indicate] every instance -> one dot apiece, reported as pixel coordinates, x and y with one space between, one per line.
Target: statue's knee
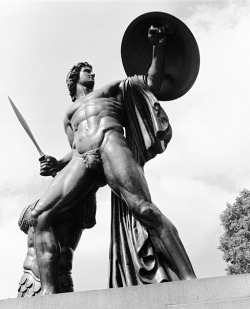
148 214
152 217
33 219
39 219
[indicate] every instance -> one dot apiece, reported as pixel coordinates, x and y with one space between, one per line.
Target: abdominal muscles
93 120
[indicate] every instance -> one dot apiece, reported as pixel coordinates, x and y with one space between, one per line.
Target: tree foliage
235 242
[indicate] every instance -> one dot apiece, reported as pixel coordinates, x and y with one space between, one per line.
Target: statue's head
73 77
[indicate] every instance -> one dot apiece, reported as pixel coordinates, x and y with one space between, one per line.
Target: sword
28 131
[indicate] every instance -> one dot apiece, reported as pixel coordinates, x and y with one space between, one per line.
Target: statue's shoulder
112 85
112 89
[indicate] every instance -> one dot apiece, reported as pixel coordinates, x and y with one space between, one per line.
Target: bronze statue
101 154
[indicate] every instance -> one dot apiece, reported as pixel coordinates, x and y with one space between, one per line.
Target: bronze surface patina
145 245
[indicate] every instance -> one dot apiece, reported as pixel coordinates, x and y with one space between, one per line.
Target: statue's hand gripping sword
28 131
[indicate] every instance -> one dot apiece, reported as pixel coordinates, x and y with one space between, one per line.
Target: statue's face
86 77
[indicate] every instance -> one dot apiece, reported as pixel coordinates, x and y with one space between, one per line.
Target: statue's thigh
124 175
60 195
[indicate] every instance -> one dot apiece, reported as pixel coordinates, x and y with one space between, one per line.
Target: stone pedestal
229 292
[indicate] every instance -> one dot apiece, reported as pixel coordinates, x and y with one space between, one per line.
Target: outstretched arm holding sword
49 166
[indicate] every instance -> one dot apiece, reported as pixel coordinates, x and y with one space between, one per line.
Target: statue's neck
82 91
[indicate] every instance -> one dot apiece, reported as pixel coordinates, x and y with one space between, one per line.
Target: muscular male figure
100 155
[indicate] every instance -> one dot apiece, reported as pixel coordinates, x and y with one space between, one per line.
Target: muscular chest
94 109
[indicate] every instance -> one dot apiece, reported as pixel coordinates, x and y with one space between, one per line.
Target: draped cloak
134 259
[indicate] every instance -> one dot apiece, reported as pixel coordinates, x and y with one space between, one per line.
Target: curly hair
73 76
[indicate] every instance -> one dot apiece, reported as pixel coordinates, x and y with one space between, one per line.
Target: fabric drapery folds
133 256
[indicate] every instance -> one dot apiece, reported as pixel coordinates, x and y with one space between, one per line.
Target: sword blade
25 126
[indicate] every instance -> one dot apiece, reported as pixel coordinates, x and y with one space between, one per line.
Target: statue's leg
68 233
62 194
29 284
126 178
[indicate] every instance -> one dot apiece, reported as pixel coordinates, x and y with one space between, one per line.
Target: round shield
182 58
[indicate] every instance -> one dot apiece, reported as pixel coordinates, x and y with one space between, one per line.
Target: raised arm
157 37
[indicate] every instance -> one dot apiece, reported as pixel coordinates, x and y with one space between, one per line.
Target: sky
206 164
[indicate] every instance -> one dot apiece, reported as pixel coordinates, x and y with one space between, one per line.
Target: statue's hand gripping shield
182 58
